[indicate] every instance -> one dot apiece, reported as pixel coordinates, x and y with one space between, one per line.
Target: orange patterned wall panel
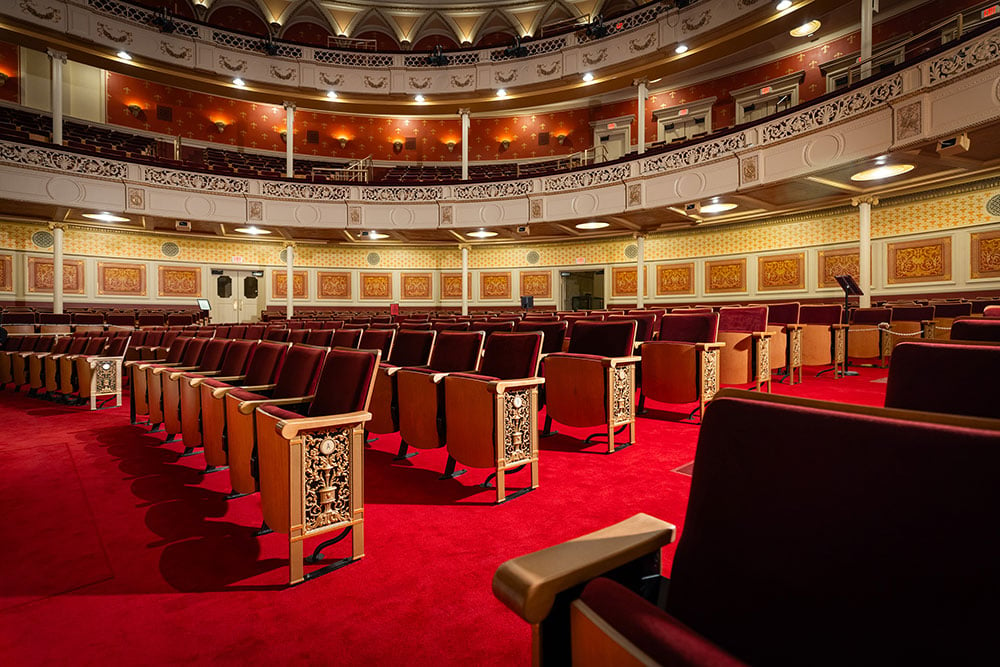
451 286
334 285
838 263
919 261
179 281
781 272
675 279
121 279
6 273
623 281
537 284
726 275
376 286
494 285
41 275
416 286
279 280
985 255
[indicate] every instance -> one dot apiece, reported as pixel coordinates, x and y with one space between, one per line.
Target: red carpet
186 580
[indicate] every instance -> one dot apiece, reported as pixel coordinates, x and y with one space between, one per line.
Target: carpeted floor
117 550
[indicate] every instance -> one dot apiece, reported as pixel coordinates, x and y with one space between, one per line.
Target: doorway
611 144
582 290
235 295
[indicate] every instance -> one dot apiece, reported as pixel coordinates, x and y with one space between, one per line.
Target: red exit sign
682 112
612 126
765 90
991 11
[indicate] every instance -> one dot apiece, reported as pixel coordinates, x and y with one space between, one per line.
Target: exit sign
237 259
765 90
612 126
682 112
991 11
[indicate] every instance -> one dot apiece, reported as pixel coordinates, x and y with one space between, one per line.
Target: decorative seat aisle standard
100 376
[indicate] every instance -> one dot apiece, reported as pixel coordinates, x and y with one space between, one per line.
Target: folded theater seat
63 379
491 418
746 357
136 369
13 345
987 329
100 376
593 383
47 365
411 348
19 360
682 365
786 341
193 353
421 392
795 551
169 379
294 385
311 461
35 360
824 338
864 335
262 369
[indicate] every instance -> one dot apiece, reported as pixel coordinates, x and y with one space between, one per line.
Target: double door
236 296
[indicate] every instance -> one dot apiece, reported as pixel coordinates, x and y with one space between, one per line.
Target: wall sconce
451 146
220 126
3 78
134 109
284 136
343 141
397 145
561 138
505 144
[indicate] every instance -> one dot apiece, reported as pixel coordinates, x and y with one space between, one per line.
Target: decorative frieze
304 191
980 52
493 190
45 158
427 193
194 181
695 155
587 179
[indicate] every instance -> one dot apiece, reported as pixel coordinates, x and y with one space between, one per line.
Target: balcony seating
682 365
945 377
864 336
312 461
833 577
593 383
100 376
375 339
67 379
139 403
262 369
786 341
554 333
986 329
491 418
824 337
421 393
746 357
412 348
294 385
169 379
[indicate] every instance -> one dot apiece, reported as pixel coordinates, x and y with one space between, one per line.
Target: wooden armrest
709 346
227 378
838 326
290 428
796 325
163 368
621 361
529 584
247 407
259 387
500 386
761 334
392 370
202 376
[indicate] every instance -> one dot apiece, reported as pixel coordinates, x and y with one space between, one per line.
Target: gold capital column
57 266
289 274
864 204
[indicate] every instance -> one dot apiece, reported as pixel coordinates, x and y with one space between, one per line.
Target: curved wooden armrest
141 365
392 370
710 346
621 361
259 387
792 326
529 584
500 386
838 326
194 382
202 376
163 368
290 428
247 407
761 334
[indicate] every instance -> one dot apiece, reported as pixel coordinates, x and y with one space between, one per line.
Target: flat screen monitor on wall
204 304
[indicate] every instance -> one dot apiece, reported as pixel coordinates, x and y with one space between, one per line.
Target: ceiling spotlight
596 224
783 5
588 77
806 29
419 99
239 82
124 55
885 171
374 236
105 217
331 94
717 208
681 48
253 230
501 93
481 234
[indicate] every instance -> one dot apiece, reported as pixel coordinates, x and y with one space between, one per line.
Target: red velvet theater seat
411 348
553 333
681 366
171 378
746 357
976 329
67 364
312 461
824 337
139 403
378 339
19 360
346 338
191 359
35 359
945 377
850 544
593 383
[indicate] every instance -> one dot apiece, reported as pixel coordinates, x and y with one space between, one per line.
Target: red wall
9 66
239 19
306 32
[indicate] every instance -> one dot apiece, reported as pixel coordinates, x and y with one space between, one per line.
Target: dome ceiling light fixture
502 93
419 99
252 230
104 216
783 5
238 82
681 48
807 29
374 236
481 234
593 224
882 171
331 94
588 77
717 207
124 55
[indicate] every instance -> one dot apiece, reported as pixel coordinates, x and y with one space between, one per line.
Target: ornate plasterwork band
695 155
304 191
493 190
958 62
401 194
44 158
194 181
586 179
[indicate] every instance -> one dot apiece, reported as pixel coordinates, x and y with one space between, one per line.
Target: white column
57 60
866 37
640 273
465 144
641 112
289 139
864 205
289 274
465 280
57 268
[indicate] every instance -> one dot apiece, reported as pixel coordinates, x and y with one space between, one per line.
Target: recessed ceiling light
105 217
681 48
332 94
806 29
252 230
596 224
717 208
501 93
481 234
124 55
239 82
419 99
375 236
588 77
783 5
885 171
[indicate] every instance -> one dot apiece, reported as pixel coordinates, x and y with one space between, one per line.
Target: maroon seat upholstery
233 364
347 338
451 326
411 348
554 332
378 339
945 377
679 367
298 335
746 357
320 337
491 327
991 312
191 359
824 337
254 331
171 379
975 329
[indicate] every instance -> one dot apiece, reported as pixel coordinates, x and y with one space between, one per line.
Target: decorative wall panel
494 285
182 281
837 263
623 281
451 286
726 275
376 286
674 279
416 286
41 275
985 260
279 281
6 273
537 284
781 272
121 279
333 285
919 261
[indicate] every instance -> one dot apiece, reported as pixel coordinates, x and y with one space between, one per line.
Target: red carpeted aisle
118 550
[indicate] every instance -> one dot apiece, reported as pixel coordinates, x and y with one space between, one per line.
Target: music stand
851 288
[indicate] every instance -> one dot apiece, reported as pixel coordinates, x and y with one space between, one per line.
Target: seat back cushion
511 355
320 337
345 382
299 372
378 339
554 333
237 356
346 338
194 351
457 351
215 352
912 313
743 318
693 328
783 313
412 348
955 379
604 339
266 362
972 329
820 314
870 315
